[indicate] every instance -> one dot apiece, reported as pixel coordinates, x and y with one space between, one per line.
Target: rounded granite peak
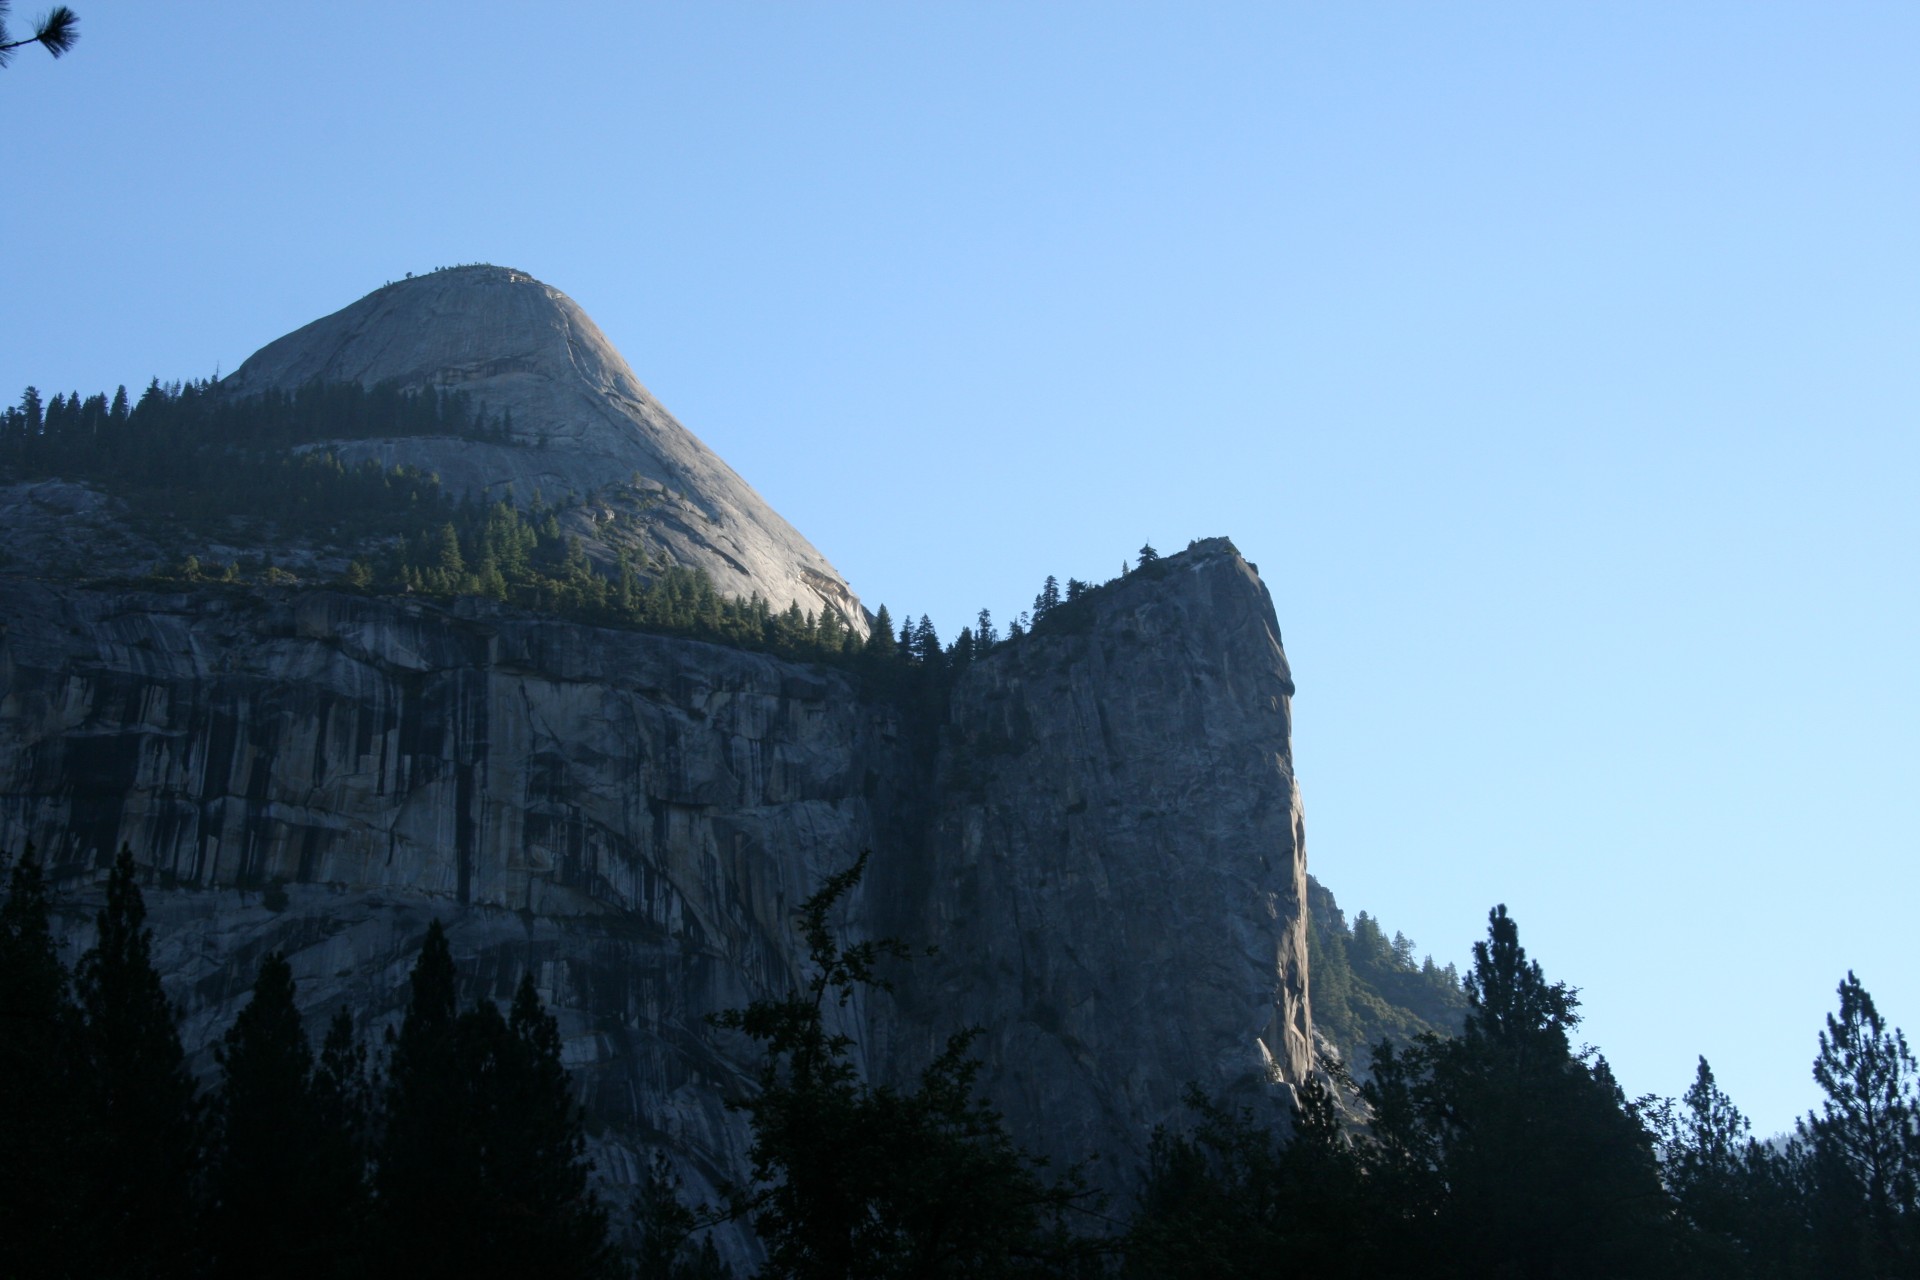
584 430
492 332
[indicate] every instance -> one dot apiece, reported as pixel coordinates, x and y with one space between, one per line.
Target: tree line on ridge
195 463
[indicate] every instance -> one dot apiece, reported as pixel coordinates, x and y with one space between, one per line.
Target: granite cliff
1098 827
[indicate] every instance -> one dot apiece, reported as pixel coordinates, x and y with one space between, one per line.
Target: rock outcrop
582 424
1118 859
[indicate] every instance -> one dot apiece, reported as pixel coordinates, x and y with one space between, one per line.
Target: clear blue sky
1557 365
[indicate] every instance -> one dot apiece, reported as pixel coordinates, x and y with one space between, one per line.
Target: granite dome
584 429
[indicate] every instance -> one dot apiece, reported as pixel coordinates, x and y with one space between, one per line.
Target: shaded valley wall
632 816
1106 847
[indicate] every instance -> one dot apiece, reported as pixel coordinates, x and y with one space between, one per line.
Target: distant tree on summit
1048 599
1148 555
926 643
984 636
960 652
55 31
879 646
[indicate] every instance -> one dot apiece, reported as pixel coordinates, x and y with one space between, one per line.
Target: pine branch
56 32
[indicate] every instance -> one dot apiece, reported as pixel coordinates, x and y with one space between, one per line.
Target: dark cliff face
632 817
1106 847
1116 861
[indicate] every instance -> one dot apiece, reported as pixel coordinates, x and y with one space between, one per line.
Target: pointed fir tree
537 1168
425 1185
144 1158
283 1196
1048 599
880 645
482 1166
41 1115
343 1102
1504 1152
1738 1200
1865 1141
926 644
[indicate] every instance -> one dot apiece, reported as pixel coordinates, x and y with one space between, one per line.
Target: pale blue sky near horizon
1555 364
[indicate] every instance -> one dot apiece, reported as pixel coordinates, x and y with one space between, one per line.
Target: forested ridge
194 463
455 1146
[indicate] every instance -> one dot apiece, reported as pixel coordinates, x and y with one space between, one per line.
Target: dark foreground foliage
1502 1151
1505 1152
856 1179
469 1158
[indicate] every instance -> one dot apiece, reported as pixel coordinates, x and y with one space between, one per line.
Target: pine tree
1866 1139
143 1161
1505 1153
424 1177
445 552
1048 599
41 1114
880 643
1739 1200
984 636
482 1167
926 644
960 653
343 1103
666 1226
831 631
285 1188
56 32
548 1222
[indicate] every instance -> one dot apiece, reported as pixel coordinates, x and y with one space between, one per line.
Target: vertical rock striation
1116 861
1105 846
631 817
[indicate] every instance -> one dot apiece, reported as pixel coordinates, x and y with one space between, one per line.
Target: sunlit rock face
582 424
